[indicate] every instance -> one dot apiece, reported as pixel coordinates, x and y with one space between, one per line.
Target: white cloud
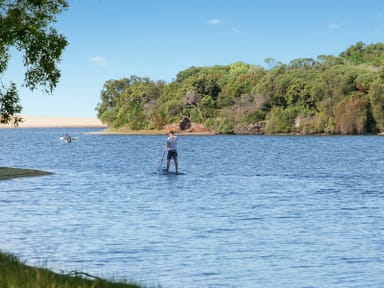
214 21
99 61
333 26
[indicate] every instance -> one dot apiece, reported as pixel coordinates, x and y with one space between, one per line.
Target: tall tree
26 26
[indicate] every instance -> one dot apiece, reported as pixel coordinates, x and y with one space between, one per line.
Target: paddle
161 161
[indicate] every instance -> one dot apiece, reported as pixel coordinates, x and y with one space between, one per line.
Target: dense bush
333 94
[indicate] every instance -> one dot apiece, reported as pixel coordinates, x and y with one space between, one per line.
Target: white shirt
171 142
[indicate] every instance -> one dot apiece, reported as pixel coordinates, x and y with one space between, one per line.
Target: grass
14 273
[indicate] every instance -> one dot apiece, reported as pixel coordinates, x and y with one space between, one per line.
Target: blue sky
113 39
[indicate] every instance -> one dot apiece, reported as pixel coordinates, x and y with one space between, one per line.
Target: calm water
250 211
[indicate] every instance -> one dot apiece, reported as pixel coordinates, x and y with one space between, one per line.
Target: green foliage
238 68
237 84
184 75
304 96
9 106
224 126
376 98
110 96
318 123
220 125
131 102
361 53
281 120
25 25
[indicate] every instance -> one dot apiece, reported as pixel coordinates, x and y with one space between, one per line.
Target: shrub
351 115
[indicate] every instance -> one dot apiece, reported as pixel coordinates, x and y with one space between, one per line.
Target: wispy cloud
333 26
99 61
214 21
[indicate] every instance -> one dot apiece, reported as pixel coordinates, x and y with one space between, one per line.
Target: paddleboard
173 173
164 172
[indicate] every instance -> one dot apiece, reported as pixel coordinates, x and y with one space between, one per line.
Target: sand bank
9 173
57 122
73 122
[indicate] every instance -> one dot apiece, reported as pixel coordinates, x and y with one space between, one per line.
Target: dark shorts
172 154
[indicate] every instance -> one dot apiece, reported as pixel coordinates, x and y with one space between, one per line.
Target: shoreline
109 131
79 122
195 130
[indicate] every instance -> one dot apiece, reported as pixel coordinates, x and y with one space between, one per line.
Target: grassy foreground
13 273
10 173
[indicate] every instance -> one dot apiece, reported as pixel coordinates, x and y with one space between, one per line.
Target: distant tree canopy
25 25
333 94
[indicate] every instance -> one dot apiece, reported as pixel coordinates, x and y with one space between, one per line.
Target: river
249 211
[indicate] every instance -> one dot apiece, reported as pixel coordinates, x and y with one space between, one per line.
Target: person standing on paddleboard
172 150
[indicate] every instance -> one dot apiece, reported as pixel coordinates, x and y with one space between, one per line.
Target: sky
114 39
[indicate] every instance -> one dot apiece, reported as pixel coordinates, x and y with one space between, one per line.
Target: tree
130 102
26 26
110 96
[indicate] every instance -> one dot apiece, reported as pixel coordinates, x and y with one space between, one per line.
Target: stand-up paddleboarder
172 150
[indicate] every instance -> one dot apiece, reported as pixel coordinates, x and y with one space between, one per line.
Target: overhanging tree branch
25 25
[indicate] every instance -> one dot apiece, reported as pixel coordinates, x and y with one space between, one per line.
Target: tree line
341 94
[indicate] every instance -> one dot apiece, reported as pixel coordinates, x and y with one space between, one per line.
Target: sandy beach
45 122
56 122
77 122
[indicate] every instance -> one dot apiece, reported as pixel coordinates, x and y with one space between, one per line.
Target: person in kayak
67 138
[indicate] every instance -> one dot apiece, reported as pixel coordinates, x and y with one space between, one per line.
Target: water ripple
280 212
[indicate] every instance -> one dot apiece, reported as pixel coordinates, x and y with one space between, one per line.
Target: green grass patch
14 273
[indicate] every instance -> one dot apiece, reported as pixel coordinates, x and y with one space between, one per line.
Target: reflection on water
250 211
